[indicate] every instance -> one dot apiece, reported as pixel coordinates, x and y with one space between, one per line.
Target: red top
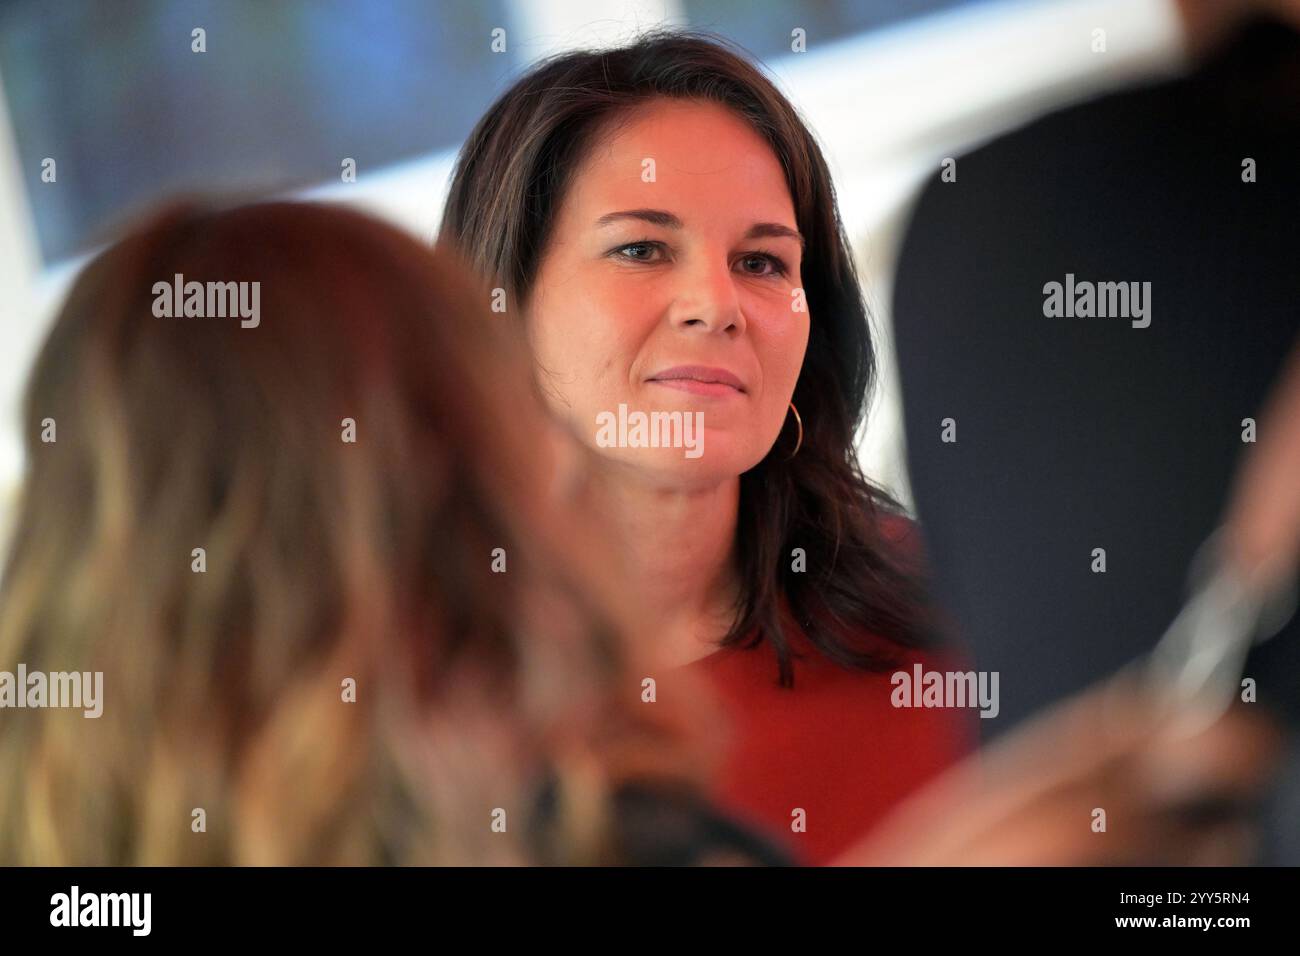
833 744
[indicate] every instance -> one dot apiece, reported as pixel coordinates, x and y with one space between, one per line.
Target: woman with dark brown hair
312 548
664 226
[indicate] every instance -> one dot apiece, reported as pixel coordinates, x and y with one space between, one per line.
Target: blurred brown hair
325 560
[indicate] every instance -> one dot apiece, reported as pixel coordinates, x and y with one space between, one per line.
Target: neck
679 546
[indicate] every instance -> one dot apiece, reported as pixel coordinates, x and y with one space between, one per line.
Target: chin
710 462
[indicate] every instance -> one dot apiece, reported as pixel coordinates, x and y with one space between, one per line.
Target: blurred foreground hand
1099 779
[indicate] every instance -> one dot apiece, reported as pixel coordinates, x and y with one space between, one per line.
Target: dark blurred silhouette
1077 433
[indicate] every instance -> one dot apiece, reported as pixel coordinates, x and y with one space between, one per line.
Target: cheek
781 354
613 321
584 339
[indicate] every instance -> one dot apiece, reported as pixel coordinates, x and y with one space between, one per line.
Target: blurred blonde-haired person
396 644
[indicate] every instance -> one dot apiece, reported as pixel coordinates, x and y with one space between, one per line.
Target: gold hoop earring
799 422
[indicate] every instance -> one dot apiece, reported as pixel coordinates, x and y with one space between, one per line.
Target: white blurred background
285 91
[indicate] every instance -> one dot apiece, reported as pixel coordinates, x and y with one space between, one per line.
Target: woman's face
668 286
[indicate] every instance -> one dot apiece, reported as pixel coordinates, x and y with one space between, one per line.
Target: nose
708 301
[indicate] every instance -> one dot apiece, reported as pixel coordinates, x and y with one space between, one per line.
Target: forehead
703 155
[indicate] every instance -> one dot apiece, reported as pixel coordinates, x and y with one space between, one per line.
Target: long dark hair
510 179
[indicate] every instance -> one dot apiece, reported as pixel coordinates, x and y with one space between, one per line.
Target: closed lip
703 374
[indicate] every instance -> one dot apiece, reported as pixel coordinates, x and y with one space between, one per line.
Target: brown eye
647 249
778 267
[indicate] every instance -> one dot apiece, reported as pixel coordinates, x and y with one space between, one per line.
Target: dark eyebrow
658 217
774 230
655 217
